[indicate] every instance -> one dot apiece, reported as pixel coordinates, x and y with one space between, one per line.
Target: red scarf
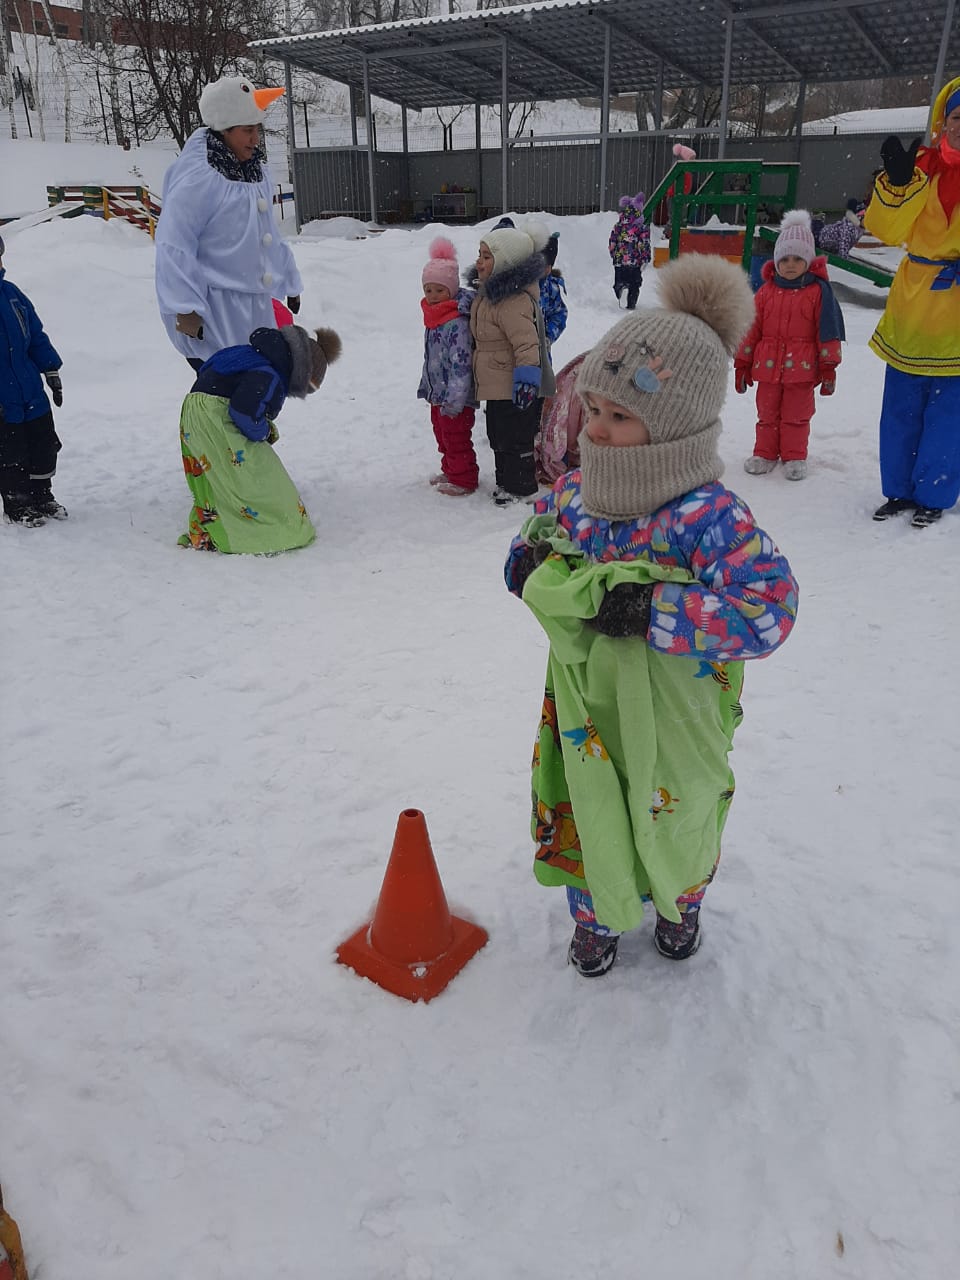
945 161
437 313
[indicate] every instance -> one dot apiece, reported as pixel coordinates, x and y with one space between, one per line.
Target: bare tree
172 49
448 124
7 91
62 63
33 69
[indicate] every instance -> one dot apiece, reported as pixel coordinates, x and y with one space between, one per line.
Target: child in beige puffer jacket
511 364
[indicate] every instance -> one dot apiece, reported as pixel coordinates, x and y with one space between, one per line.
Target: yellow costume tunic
919 331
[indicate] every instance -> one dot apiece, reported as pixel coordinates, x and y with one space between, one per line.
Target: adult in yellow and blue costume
916 202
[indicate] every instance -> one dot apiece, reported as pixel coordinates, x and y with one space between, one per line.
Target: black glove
897 163
56 387
625 611
532 558
294 304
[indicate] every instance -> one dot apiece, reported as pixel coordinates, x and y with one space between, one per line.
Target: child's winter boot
677 941
18 508
592 954
44 503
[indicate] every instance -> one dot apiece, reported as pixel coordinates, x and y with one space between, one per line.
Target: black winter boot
44 503
893 507
18 508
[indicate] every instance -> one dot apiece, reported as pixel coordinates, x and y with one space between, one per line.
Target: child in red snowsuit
793 344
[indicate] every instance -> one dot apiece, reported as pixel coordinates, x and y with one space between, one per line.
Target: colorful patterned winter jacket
796 334
629 242
918 330
25 353
743 602
552 305
447 378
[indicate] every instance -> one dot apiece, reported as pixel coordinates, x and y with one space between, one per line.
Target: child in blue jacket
243 499
28 440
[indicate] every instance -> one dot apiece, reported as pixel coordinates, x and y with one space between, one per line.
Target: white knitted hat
795 238
512 245
234 101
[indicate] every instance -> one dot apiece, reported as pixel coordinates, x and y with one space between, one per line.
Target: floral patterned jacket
743 600
447 378
629 243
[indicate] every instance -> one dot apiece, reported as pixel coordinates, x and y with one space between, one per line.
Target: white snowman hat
232 101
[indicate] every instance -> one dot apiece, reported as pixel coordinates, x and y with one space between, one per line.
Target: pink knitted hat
442 267
795 238
683 153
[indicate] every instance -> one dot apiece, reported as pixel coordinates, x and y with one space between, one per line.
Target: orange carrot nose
263 97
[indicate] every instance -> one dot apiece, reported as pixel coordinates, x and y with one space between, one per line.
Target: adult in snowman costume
220 256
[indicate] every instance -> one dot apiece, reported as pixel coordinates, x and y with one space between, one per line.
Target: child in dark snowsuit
244 501
28 439
629 247
653 585
447 379
793 345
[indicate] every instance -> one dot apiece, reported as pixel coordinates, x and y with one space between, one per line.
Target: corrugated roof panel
556 47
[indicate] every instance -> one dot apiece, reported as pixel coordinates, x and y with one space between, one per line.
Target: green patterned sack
631 784
244 501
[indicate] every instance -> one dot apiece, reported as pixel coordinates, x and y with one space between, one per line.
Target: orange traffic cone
413 946
12 1265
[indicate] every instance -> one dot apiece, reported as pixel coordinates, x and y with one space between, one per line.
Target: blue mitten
526 385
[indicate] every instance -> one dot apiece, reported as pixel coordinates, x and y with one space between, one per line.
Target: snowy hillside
202 763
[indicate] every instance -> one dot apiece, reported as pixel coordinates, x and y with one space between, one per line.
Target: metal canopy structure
562 48
597 48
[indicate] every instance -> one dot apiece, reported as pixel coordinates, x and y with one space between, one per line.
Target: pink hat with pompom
683 153
442 267
796 238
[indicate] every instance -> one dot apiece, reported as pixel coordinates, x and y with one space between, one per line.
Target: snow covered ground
202 763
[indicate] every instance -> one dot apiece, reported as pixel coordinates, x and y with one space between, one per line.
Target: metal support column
478 141
504 126
403 128
725 91
604 118
798 118
941 60
288 83
658 109
368 113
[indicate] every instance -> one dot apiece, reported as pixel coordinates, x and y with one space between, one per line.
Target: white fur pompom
538 232
796 218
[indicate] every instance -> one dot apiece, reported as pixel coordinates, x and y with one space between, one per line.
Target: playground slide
34 219
882 277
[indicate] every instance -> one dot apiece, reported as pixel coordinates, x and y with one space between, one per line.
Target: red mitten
828 384
743 379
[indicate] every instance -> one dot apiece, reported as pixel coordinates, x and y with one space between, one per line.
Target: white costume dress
219 253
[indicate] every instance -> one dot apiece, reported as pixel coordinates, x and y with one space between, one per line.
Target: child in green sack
654 585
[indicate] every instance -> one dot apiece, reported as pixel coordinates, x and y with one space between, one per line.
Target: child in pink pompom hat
447 379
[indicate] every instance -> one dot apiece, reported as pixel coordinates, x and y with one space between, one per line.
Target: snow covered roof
556 47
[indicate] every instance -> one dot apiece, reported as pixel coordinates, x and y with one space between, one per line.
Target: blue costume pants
920 439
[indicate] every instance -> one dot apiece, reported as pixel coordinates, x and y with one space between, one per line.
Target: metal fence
561 175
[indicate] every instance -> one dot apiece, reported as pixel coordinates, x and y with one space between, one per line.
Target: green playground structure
743 187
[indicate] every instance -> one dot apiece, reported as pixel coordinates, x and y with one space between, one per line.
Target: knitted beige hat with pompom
706 308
